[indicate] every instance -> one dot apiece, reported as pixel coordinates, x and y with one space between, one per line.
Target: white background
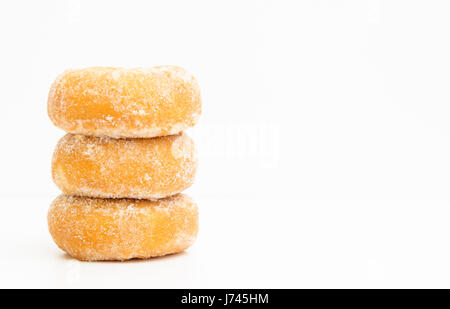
324 140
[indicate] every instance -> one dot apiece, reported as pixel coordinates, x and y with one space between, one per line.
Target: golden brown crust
124 168
93 229
119 102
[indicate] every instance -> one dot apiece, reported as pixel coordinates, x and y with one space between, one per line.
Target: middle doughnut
124 168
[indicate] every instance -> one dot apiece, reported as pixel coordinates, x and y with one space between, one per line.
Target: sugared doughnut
144 168
120 102
120 229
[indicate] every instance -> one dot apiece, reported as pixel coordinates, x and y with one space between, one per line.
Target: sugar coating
124 168
95 229
119 102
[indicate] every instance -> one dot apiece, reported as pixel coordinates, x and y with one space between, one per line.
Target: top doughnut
118 102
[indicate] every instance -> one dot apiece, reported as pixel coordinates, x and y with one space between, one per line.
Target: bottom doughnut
94 229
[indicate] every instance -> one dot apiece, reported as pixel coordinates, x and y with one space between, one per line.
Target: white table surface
251 244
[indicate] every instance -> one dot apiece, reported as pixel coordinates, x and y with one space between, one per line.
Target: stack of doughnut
124 162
